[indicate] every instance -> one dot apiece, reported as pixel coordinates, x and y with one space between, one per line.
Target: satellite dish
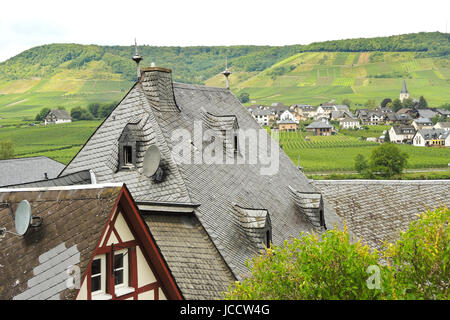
22 217
152 158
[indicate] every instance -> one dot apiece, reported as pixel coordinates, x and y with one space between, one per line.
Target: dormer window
128 147
128 155
256 224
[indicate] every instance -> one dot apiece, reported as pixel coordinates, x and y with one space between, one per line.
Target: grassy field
337 153
316 77
60 142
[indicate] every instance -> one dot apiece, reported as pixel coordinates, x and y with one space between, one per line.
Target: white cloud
25 24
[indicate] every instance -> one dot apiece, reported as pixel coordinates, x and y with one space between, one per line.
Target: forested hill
74 75
197 64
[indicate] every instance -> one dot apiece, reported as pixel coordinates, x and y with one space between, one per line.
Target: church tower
404 93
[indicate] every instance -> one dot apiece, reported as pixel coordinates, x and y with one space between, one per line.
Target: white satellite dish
152 159
22 217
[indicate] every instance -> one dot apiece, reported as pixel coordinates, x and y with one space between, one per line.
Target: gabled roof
403 129
423 121
319 124
377 210
23 170
213 188
426 113
444 124
74 223
76 178
59 114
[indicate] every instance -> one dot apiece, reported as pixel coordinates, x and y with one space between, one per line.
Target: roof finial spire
137 58
226 73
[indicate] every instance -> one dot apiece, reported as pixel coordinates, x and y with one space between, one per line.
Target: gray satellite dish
152 159
22 217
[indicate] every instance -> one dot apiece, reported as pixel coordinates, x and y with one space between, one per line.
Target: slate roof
197 267
22 170
423 121
319 125
34 266
77 178
426 113
215 188
433 133
377 210
59 114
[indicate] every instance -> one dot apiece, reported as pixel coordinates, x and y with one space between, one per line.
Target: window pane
96 264
118 277
96 283
118 261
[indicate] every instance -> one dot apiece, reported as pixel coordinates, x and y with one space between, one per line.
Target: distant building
401 133
404 94
320 128
287 115
442 125
422 123
56 116
431 137
350 123
287 126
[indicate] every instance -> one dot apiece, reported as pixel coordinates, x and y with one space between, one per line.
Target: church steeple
404 93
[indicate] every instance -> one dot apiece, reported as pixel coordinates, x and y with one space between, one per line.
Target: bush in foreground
334 267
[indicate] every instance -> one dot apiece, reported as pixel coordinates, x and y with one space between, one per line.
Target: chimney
227 73
158 87
137 58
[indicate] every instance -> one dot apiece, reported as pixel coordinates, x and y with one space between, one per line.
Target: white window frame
100 294
123 288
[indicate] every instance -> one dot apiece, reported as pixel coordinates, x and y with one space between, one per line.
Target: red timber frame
143 238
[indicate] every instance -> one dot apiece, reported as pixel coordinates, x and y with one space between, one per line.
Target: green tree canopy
423 104
244 97
41 115
387 160
417 266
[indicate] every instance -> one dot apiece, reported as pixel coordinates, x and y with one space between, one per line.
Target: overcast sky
25 24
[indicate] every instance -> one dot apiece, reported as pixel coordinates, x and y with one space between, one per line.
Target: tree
418 264
408 103
387 138
423 104
347 102
330 267
385 102
6 149
93 109
370 104
397 104
360 163
78 113
244 97
41 115
387 160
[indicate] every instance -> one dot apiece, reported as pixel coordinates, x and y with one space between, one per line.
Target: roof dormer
256 224
310 204
226 127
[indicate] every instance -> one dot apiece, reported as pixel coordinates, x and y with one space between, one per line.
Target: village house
320 128
341 115
287 115
349 123
305 111
56 116
442 125
287 126
431 138
262 116
422 123
140 129
401 133
426 113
